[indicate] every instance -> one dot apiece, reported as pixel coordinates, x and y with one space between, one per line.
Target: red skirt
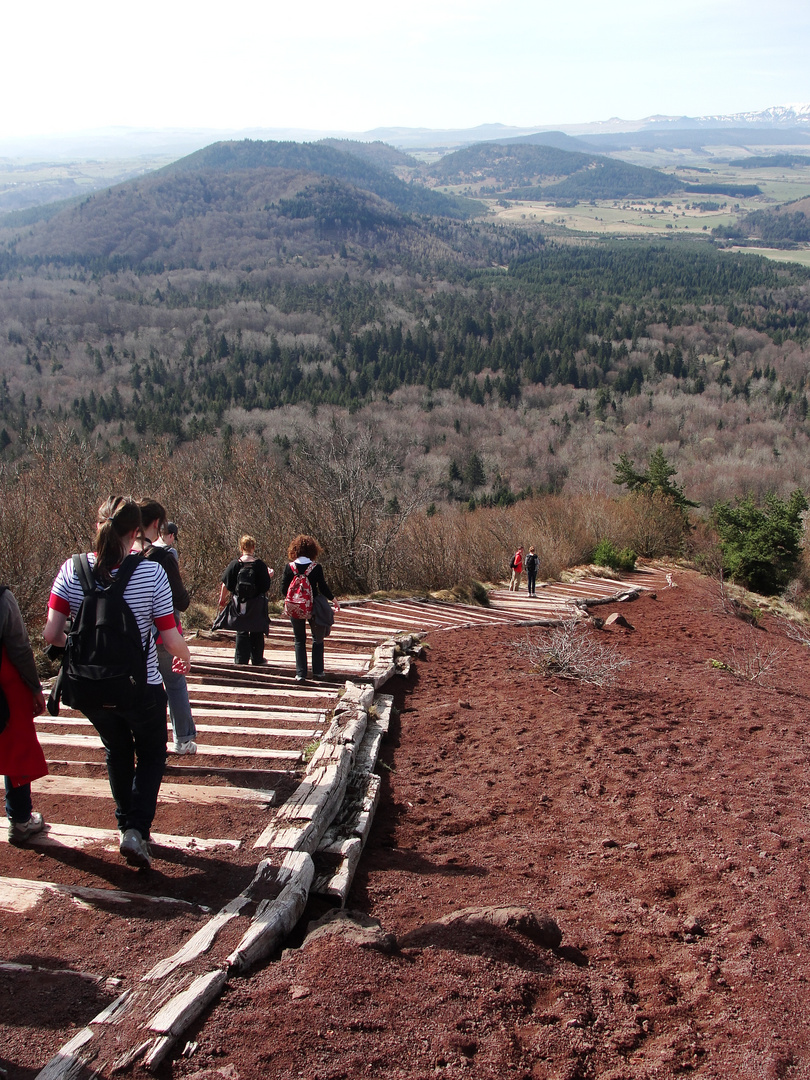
21 757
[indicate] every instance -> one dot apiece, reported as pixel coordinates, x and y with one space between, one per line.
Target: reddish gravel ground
662 824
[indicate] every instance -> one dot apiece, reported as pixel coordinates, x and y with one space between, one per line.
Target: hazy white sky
359 64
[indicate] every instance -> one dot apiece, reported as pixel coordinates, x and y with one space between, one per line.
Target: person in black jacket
302 553
530 565
248 580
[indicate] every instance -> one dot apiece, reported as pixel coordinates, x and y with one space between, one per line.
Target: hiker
184 730
302 583
531 571
247 579
516 566
21 698
124 697
168 539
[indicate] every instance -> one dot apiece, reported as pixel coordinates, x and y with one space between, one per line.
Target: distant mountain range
120 142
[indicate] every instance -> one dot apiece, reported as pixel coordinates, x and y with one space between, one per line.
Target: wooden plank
293 691
93 742
235 711
190 767
275 919
179 1013
19 894
185 1007
81 836
169 793
200 942
309 810
68 1063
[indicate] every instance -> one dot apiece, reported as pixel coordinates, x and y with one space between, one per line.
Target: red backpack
298 601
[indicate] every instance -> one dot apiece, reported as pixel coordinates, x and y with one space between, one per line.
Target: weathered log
275 919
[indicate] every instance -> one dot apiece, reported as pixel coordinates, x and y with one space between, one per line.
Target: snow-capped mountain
794 115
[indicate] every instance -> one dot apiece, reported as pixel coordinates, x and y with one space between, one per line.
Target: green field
678 213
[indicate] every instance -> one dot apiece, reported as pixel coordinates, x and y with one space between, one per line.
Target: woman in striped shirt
134 737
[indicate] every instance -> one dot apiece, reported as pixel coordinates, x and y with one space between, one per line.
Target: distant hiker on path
247 579
21 757
531 571
516 566
110 672
302 584
183 727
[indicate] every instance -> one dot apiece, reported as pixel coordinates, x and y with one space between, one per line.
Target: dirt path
662 824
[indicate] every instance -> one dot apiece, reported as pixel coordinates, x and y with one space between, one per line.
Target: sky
352 67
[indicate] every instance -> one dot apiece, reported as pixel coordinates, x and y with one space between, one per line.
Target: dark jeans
135 742
300 634
18 802
531 578
249 646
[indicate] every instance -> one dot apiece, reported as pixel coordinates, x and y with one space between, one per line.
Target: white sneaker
135 849
186 747
19 831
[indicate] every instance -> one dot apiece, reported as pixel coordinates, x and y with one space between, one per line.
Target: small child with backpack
110 670
303 582
247 579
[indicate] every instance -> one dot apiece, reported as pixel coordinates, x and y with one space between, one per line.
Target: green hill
323 160
378 153
526 171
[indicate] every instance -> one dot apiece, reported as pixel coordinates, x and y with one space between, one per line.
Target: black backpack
105 663
246 583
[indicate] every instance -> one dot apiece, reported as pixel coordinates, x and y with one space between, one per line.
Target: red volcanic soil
662 824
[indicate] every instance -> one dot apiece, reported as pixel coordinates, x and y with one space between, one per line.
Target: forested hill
546 172
378 153
526 171
324 159
252 282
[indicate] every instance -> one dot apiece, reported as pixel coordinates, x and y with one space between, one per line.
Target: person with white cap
302 553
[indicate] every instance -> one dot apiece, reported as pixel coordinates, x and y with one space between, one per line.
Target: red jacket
21 757
517 561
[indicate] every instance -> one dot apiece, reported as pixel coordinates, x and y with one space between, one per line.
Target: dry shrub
346 488
656 525
560 532
754 659
572 650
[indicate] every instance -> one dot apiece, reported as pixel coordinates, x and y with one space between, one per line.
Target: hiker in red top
517 569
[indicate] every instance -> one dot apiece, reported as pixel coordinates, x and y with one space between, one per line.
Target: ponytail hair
117 517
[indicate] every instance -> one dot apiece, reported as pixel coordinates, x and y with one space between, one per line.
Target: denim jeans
135 742
249 646
531 579
177 693
18 802
300 634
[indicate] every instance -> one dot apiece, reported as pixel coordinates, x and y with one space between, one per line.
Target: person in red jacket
517 569
21 757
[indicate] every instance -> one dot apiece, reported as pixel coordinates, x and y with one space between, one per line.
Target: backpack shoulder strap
125 571
84 572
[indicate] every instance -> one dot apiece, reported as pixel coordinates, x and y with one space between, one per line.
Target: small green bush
761 546
606 554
